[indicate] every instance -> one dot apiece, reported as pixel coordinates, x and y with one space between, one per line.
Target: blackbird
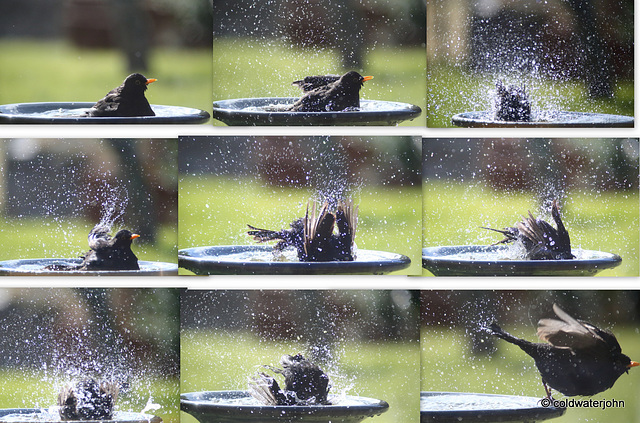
541 241
512 103
579 358
88 400
313 236
329 93
110 253
126 100
305 384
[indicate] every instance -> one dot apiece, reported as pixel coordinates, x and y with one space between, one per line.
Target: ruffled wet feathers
304 383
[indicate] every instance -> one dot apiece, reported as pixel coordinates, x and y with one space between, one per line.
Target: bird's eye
137 82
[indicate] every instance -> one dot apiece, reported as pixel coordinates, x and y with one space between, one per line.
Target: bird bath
73 113
555 119
239 406
259 260
36 267
492 260
470 407
270 111
37 415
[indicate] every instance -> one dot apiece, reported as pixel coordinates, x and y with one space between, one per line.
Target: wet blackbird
329 93
511 103
541 241
305 384
110 253
313 235
126 100
579 358
88 400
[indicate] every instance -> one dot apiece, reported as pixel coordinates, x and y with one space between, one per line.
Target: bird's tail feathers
263 235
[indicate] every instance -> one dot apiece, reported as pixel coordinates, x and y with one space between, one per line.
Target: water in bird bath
52 415
470 402
365 106
76 112
515 252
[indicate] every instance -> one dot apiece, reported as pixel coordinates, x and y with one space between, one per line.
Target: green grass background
451 90
244 68
51 71
222 360
609 221
216 210
447 365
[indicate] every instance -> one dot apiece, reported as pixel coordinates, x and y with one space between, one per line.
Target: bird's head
631 364
354 78
137 81
124 237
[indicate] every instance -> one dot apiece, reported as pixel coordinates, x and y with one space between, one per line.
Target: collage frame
521 301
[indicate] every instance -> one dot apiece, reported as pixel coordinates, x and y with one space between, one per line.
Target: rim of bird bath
38 415
218 260
247 112
556 119
444 407
447 261
227 406
69 113
36 267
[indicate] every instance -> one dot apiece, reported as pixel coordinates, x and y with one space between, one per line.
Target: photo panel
263 51
300 205
64 58
87 207
531 207
90 354
530 64
300 354
480 355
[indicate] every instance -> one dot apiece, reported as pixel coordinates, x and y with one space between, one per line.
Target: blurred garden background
261 47
457 356
366 341
78 50
570 55
469 183
54 191
227 183
51 337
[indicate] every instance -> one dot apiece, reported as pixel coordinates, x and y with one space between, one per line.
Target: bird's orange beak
366 78
150 80
633 364
134 236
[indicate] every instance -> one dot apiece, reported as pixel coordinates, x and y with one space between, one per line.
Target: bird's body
310 83
313 236
578 358
511 103
540 240
126 100
110 253
106 252
305 384
329 93
88 400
